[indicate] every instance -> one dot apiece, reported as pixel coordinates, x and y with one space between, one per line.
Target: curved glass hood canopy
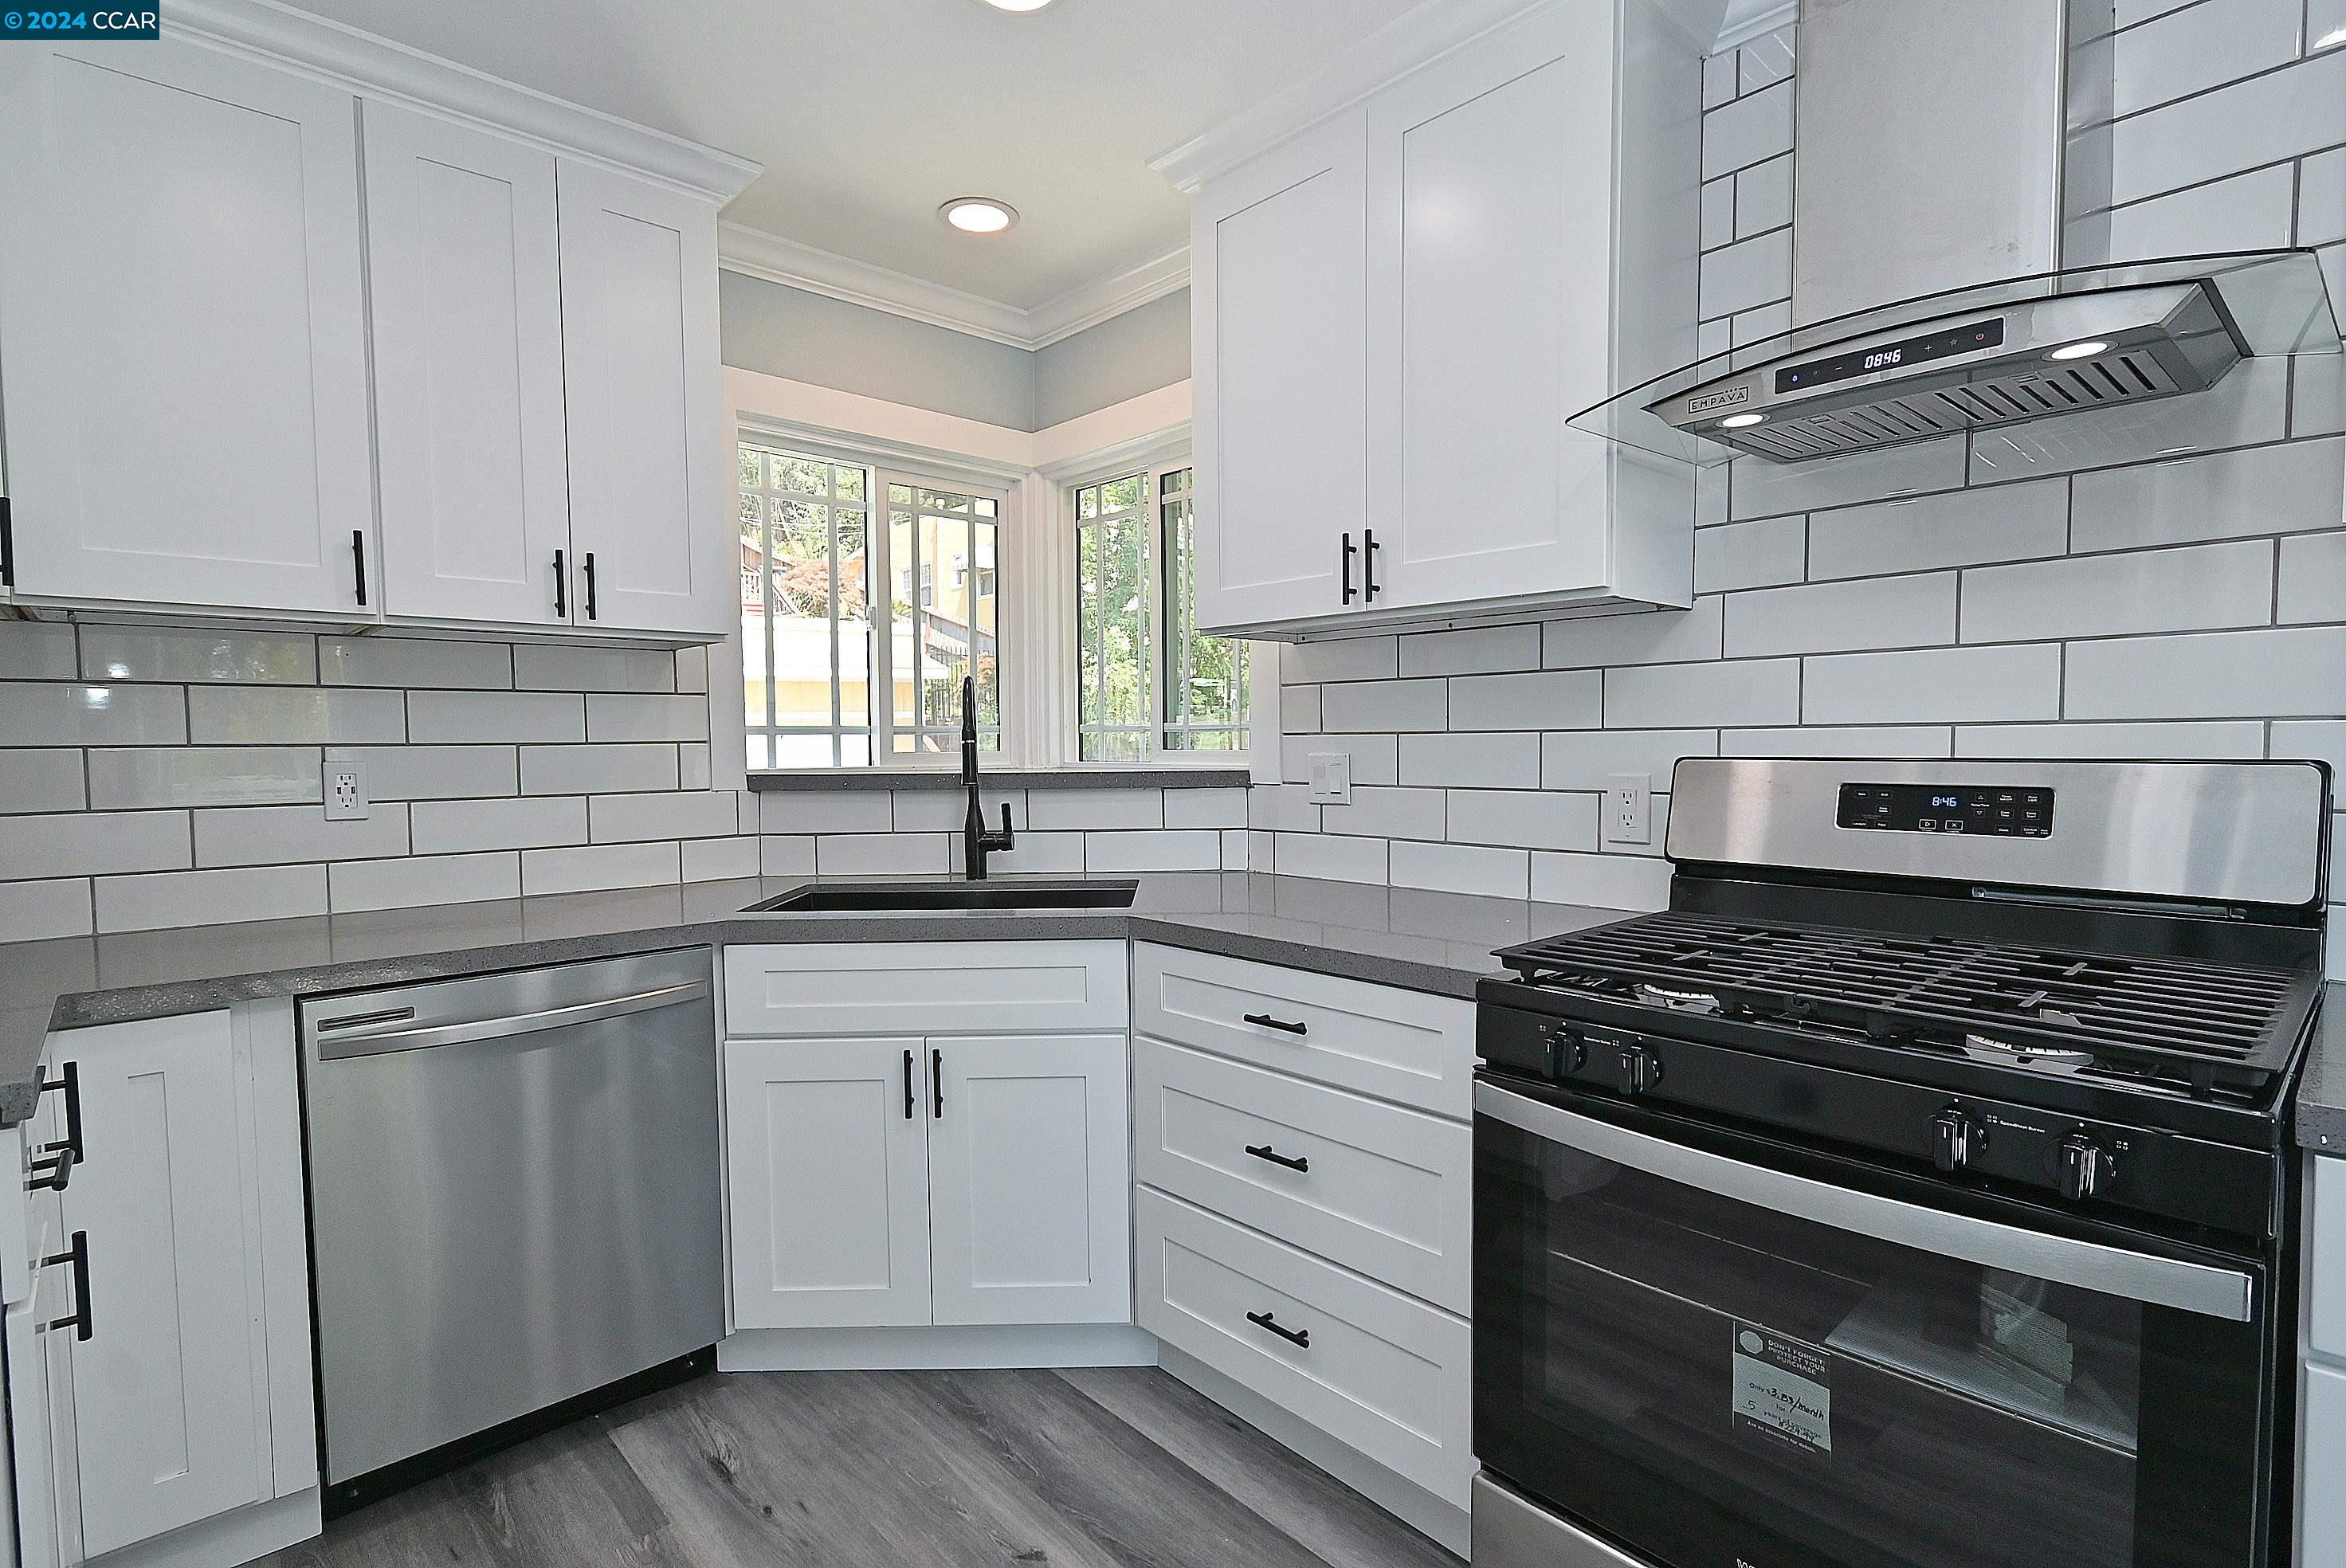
2035 348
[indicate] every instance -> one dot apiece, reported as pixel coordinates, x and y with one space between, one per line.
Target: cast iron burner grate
2214 1026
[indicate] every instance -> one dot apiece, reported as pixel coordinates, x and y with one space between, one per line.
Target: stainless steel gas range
1915 1191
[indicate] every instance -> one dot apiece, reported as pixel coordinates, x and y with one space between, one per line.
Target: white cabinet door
1030 1186
171 1397
2321 1519
467 315
827 1182
47 1482
1490 298
1278 329
648 462
183 329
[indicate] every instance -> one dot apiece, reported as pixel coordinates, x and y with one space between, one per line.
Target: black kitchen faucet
978 839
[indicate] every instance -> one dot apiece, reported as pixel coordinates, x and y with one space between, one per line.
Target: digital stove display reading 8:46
1999 810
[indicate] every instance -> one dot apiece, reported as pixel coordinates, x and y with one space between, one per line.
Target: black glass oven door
1720 1362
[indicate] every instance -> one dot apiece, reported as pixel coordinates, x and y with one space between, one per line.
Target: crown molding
382 68
758 254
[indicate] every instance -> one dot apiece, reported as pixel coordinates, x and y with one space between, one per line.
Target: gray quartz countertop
1430 941
2321 1087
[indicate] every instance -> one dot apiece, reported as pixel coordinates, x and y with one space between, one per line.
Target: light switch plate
346 791
1629 808
1332 778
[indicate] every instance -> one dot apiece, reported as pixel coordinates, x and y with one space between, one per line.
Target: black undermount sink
882 897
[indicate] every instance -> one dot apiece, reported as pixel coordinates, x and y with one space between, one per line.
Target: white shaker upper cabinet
650 465
467 309
183 330
1277 325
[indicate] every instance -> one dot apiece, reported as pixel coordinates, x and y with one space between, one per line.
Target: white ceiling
867 114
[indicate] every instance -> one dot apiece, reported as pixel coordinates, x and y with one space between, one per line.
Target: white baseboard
229 1539
936 1348
1404 1499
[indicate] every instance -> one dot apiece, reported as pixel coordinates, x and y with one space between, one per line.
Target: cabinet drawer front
1386 1374
1386 1191
925 988
2326 1314
1398 1045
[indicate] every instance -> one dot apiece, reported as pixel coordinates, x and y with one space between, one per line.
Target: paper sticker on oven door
1783 1394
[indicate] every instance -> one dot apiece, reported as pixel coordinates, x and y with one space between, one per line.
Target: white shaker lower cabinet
2321 1406
182 1426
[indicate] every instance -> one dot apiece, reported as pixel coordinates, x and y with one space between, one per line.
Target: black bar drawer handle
590 585
1350 550
1266 1021
78 1255
358 560
908 1085
1299 1337
1265 1152
561 588
1369 562
937 1083
52 1166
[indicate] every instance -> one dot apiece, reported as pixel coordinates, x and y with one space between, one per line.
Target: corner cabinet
274 348
1397 311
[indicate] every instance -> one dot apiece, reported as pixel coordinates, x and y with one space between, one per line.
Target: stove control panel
1998 811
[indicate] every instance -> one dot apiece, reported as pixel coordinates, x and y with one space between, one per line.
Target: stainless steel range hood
1951 158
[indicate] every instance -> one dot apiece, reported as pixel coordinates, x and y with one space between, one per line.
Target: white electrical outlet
346 794
1332 778
1629 808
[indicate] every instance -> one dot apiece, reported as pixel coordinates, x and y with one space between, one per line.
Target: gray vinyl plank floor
1107 1468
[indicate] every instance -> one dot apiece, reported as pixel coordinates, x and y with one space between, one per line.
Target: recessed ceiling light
2086 350
978 214
1020 6
1737 420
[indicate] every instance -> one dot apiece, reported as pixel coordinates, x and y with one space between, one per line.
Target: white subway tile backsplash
2247 211
44 778
1750 129
431 772
1704 696
1718 86
2292 488
2216 740
2199 586
283 835
1718 220
600 769
1286 808
825 812
1382 705
1765 60
1374 757
36 911
1088 809
2314 577
1586 759
1163 849
693 766
1346 658
1838 740
553 668
414 662
786 855
1956 686
203 776
2317 396
1601 881
480 716
2290 672
1206 808
681 814
1864 613
1958 528
945 810
291 716
1751 554
1763 199
2202 47
2322 197
718 860
2248 405
82 843
637 717
516 822
1467 760
1656 636
1043 854
1236 845
37 650
1299 709
1760 489
1328 856
138 653
1460 868
2319 740
66 714
599 867
2130 13
1544 699
1380 811
1535 819
883 854
399 884
1758 329
1748 274
2283 113
204 898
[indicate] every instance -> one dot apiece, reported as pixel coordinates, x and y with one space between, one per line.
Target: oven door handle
2140 1277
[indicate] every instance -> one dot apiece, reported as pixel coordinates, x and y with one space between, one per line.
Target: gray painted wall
809 337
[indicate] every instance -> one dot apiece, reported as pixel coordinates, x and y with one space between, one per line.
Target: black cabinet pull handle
53 1165
1350 550
1265 1152
1268 1022
78 1255
1369 562
561 589
1302 1337
908 1084
7 543
590 584
937 1083
357 560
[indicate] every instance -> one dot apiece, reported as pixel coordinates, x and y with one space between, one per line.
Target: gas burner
1677 1000
2004 1053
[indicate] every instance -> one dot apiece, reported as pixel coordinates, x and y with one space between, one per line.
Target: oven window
1711 1382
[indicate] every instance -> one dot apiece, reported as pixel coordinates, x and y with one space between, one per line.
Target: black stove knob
1636 1069
1567 1051
1954 1137
2083 1165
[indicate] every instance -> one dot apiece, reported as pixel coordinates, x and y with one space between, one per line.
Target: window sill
1100 778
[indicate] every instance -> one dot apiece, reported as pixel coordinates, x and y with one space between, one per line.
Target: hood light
2086 350
1737 420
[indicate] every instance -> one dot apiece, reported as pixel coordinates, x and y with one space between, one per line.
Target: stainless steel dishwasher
514 1189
